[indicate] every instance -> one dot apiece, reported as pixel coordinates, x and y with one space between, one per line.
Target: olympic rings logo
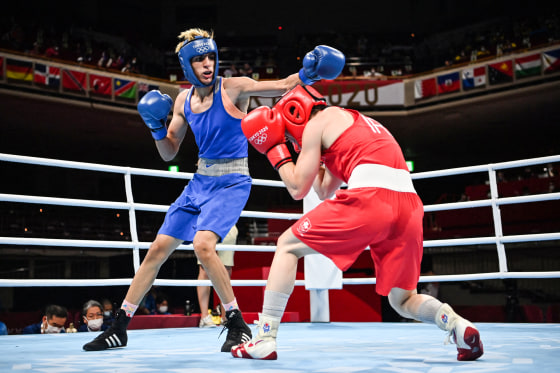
202 46
260 140
203 49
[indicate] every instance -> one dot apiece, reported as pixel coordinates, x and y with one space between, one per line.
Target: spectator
134 66
102 62
107 308
373 74
426 269
162 305
148 304
231 71
92 315
126 68
3 329
53 321
52 52
246 70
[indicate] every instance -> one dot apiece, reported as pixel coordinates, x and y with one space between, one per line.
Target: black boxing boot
238 331
113 337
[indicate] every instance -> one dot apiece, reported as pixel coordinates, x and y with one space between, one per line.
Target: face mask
95 325
107 313
51 329
163 309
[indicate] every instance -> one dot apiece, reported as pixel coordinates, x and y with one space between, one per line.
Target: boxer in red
379 209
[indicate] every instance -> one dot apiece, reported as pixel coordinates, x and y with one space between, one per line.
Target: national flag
425 88
19 70
100 84
449 83
474 77
47 75
74 80
144 88
528 66
125 88
551 60
500 72
1 66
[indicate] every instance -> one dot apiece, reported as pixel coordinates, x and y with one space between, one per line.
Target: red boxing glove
265 130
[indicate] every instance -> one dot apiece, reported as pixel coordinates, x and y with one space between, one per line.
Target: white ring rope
135 245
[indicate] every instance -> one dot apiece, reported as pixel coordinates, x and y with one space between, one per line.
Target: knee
204 249
397 298
203 253
157 253
282 245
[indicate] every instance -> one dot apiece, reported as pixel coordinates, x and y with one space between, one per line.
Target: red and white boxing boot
461 332
263 345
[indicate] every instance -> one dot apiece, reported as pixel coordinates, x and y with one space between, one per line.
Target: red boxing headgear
295 109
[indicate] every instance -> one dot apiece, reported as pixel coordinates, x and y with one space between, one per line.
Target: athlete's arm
241 89
326 183
299 177
168 147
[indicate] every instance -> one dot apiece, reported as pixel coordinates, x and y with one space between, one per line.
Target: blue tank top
217 133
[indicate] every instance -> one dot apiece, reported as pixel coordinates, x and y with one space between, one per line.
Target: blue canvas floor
302 347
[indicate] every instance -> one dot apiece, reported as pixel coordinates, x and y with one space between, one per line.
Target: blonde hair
190 34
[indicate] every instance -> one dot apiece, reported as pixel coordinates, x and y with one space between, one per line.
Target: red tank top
365 141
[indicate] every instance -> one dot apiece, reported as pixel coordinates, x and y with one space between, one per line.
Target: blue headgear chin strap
197 47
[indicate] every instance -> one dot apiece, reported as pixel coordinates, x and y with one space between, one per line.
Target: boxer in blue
213 200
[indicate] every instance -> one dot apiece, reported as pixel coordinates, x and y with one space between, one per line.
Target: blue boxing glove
154 107
323 62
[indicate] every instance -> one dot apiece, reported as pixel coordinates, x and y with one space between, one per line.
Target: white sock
427 310
274 303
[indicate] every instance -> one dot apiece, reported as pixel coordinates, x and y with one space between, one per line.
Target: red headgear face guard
295 109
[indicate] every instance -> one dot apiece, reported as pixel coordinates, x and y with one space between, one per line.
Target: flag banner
1 66
551 61
19 70
449 83
425 88
124 88
144 88
74 80
363 93
528 66
100 84
47 75
500 72
474 78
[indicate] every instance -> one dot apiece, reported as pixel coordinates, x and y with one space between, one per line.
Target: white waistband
379 176
224 166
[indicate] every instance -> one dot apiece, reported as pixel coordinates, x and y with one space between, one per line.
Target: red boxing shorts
389 222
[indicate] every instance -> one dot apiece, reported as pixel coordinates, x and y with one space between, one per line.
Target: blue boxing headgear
197 47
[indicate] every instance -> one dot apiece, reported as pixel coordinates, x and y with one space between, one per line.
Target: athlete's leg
279 287
203 293
204 244
116 336
425 308
205 248
159 251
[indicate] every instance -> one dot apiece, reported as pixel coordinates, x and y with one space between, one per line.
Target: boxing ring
318 346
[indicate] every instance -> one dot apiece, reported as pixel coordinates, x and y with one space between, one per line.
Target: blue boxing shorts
208 203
